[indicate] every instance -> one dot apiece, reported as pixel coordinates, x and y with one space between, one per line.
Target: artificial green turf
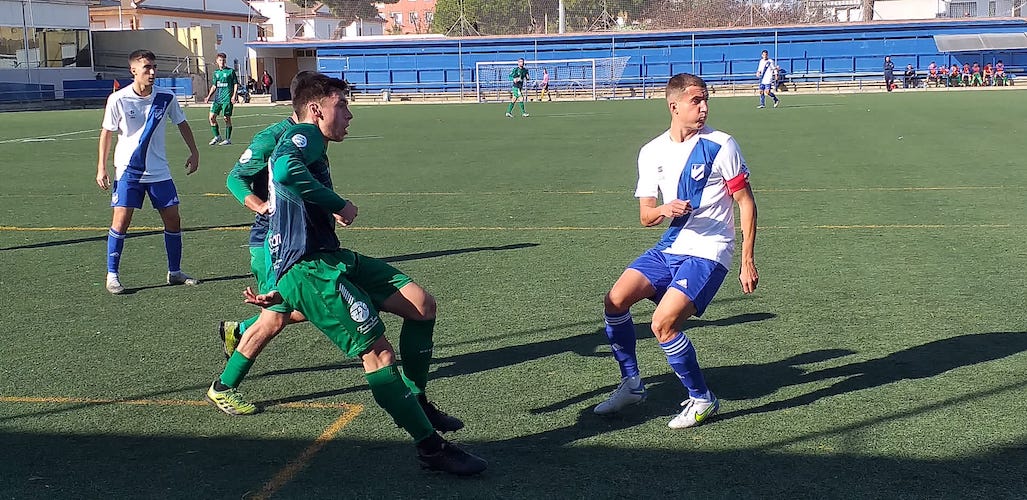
882 356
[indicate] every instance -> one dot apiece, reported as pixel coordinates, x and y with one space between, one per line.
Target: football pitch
882 356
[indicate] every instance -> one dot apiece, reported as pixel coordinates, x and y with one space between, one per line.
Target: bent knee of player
616 303
426 308
665 327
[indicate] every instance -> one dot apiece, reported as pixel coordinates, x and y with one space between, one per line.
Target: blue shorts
696 277
766 86
129 193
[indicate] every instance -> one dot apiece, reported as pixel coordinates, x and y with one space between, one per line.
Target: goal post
590 78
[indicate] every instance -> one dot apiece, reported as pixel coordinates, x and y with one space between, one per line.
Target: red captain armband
738 183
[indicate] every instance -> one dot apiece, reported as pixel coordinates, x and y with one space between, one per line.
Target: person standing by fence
889 73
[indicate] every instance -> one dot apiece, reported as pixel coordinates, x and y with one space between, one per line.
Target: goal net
568 78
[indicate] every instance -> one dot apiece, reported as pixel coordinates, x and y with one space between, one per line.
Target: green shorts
262 271
341 293
221 108
516 92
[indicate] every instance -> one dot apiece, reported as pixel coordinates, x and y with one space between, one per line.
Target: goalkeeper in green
517 77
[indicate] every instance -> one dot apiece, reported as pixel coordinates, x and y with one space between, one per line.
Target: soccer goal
568 78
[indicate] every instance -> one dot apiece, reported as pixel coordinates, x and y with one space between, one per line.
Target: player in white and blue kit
767 73
138 114
701 175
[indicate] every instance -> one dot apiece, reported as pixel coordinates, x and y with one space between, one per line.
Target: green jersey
302 199
225 81
249 175
518 76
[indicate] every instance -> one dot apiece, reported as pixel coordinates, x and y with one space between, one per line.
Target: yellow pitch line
156 402
289 472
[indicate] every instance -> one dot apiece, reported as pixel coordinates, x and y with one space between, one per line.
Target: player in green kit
517 76
248 182
224 88
340 291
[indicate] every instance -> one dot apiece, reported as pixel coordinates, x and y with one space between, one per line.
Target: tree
347 9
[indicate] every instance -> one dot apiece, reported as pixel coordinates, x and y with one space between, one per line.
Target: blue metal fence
816 52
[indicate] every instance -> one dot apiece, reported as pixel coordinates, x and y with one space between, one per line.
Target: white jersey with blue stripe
704 170
139 122
766 70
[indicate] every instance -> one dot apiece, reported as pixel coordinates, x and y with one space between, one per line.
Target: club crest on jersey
246 156
359 312
698 171
299 140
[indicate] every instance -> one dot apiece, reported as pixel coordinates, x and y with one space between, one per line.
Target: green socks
510 109
217 131
415 350
392 394
522 107
228 132
246 323
236 369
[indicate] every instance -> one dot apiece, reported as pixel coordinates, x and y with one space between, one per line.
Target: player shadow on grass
665 391
103 237
739 382
917 362
592 344
401 258
456 251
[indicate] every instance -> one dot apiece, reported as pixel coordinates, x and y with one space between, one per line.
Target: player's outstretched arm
104 149
748 276
193 162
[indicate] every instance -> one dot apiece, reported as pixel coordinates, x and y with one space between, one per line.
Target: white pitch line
49 137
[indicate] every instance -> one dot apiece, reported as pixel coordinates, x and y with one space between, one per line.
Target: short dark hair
141 54
311 88
681 81
300 80
222 55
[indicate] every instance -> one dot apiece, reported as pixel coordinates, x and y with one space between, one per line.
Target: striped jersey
139 154
705 170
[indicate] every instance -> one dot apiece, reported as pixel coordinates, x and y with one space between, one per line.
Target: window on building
992 9
167 24
265 31
397 18
429 17
1018 10
414 17
298 30
963 9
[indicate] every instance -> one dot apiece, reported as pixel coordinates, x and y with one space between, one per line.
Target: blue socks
173 245
115 245
682 358
763 99
621 332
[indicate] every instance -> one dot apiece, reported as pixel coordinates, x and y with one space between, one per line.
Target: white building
902 10
45 42
287 21
287 30
233 21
